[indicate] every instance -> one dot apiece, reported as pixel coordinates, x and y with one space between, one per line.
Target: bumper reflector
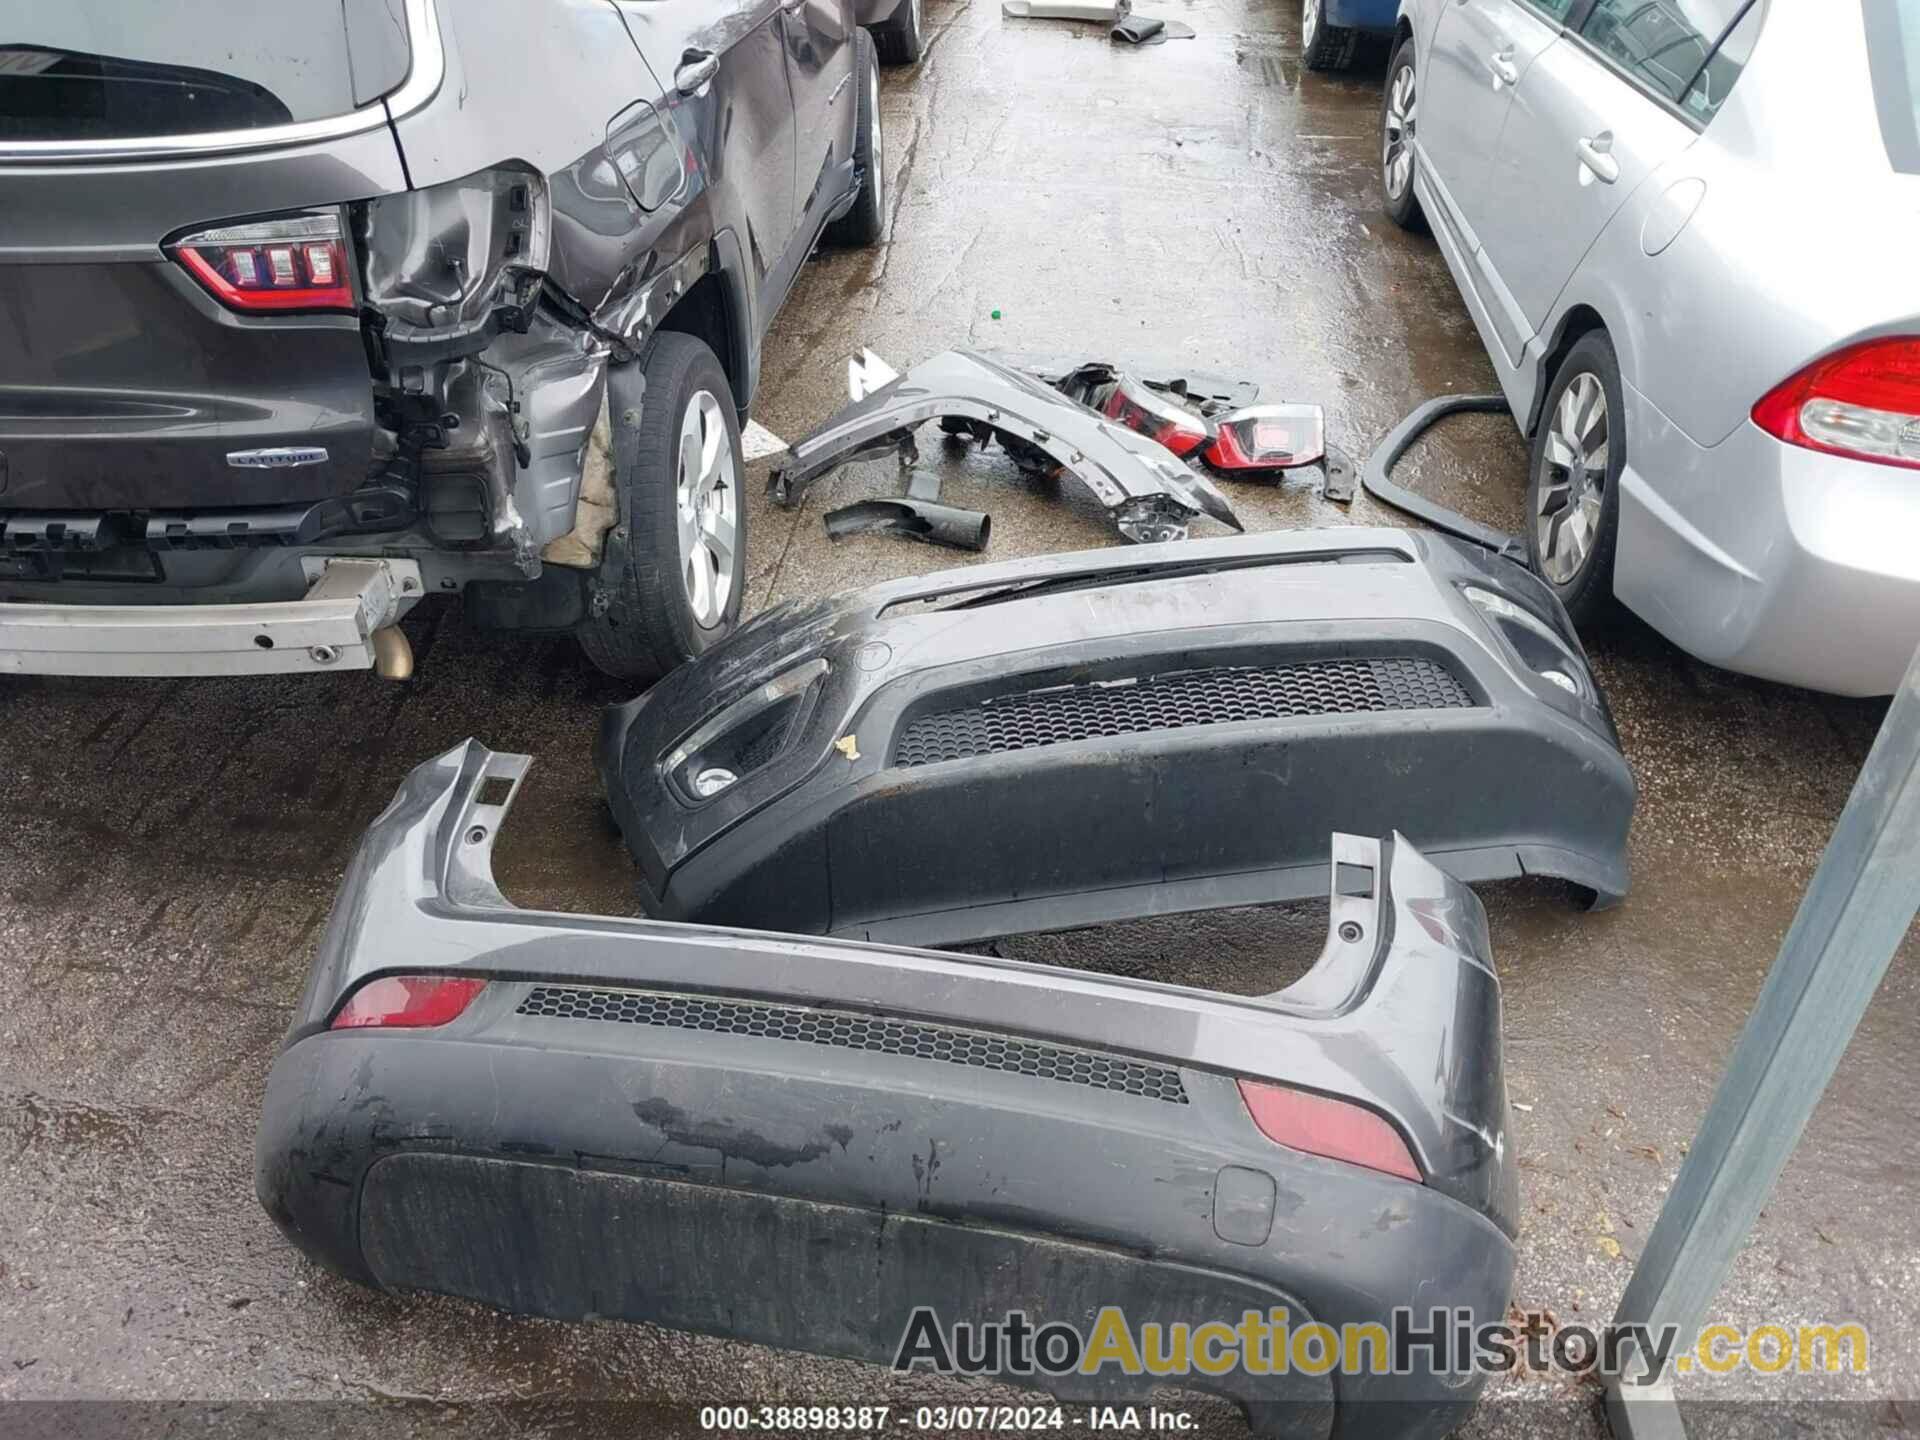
408 1002
1332 1128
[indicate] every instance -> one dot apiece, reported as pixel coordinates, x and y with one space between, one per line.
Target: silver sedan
1685 230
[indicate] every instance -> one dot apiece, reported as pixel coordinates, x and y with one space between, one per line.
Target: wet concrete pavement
172 847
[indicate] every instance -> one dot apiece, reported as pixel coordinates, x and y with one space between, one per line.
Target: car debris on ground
1149 493
1245 692
737 1133
1377 477
1139 444
1124 25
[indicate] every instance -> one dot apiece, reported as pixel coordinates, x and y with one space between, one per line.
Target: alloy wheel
706 509
1396 148
1572 490
1309 23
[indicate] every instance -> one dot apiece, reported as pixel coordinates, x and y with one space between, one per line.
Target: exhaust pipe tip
392 653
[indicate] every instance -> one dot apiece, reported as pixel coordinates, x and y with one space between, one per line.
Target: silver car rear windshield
1893 55
108 70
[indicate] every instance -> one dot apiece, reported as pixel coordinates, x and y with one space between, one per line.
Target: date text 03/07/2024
940 1419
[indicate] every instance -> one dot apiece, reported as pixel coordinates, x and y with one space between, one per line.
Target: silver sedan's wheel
1396 141
1572 492
707 507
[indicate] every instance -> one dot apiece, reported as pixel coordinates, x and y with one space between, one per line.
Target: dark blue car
1331 30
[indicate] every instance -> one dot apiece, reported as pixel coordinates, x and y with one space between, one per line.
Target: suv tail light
1140 408
1862 402
292 262
1269 437
410 1002
1336 1129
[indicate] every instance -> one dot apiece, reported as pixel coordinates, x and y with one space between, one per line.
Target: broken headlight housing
745 736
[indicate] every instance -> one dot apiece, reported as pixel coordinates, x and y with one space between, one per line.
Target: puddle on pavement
47 1127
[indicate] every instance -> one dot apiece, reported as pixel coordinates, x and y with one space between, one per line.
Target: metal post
1850 922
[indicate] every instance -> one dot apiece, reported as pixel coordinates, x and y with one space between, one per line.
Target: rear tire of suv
867 220
897 37
1573 484
1324 46
680 547
1399 115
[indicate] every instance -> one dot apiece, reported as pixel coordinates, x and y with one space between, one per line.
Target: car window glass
1553 9
1723 67
105 70
1660 43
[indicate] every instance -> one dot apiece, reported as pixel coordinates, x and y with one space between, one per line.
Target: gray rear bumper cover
807 1192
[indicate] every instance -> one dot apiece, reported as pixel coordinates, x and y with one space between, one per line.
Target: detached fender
1136 478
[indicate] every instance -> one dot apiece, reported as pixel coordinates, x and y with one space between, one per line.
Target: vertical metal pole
1850 922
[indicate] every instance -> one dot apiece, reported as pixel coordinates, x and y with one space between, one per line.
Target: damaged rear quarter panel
496 106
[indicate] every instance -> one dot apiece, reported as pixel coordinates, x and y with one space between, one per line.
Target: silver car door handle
697 67
1597 155
1505 72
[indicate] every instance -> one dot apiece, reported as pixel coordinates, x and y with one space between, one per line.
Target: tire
1399 116
1322 46
863 224
670 593
1573 503
897 38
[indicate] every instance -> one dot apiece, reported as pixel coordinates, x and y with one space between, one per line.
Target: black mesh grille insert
1175 701
980 1049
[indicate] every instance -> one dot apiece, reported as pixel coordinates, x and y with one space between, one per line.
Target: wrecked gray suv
305 314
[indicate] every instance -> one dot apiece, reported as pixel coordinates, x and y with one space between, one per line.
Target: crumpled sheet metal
1148 491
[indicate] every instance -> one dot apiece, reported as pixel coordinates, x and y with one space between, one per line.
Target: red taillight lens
408 1001
1139 407
294 262
1335 1129
1863 402
1269 437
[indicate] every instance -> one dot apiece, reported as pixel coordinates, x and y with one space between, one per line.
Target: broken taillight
291 262
408 1002
1269 437
1335 1129
1139 407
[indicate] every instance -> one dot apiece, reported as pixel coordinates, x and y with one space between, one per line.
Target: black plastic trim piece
1376 477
